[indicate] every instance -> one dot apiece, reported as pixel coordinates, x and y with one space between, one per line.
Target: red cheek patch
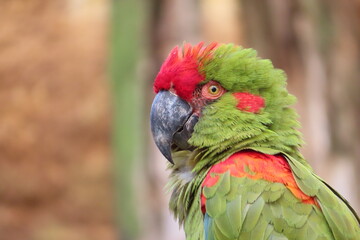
248 102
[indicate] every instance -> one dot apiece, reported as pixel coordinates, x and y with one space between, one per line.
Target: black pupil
213 89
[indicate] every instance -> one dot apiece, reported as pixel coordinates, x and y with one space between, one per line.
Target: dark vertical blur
127 20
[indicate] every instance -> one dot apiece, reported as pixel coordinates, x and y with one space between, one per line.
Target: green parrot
222 117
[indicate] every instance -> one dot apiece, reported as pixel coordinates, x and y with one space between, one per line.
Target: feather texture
262 209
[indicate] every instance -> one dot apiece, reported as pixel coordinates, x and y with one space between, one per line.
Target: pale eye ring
212 90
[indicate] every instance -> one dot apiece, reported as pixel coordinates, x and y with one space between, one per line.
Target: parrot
223 118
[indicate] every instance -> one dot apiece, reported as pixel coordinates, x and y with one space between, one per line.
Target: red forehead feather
182 69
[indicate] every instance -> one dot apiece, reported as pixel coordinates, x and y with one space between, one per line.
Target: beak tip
169 158
166 152
165 149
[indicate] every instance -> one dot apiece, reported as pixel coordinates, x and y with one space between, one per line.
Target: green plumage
258 209
269 215
243 208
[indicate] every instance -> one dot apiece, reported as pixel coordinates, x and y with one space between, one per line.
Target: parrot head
217 99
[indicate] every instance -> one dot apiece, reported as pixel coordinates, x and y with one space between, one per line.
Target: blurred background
76 156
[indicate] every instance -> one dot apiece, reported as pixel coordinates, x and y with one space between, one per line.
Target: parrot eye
212 90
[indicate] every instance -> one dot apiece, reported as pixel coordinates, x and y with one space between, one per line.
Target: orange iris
212 90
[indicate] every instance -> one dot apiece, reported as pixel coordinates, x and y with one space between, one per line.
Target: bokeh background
76 157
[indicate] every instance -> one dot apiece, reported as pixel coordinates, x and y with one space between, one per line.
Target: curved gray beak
171 122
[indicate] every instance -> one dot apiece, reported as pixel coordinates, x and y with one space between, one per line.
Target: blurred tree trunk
127 22
317 44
